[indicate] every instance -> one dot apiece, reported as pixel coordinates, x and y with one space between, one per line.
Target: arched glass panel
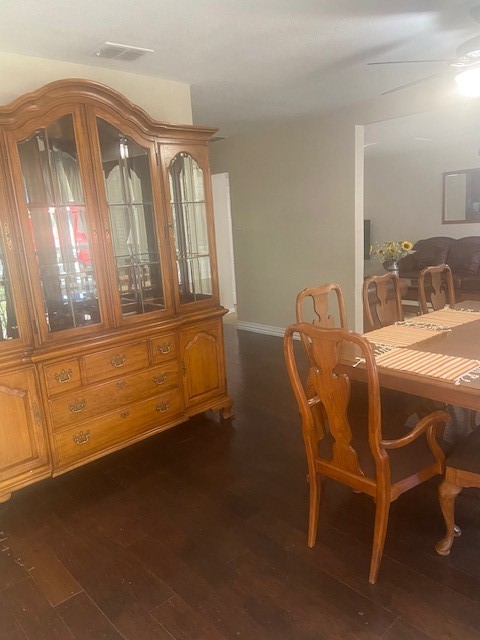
128 186
8 317
187 200
59 225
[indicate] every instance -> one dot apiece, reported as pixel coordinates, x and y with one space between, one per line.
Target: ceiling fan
466 65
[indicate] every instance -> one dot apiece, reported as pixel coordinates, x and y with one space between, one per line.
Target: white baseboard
260 328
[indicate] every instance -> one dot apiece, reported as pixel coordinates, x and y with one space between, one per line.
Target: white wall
224 240
292 192
297 208
161 99
404 191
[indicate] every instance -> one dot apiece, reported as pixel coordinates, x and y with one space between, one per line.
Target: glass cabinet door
130 200
58 221
8 317
191 237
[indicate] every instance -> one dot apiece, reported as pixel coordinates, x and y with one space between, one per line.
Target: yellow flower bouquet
391 252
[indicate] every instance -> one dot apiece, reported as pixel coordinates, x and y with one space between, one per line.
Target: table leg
448 493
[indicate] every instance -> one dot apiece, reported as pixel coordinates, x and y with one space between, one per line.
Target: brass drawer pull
161 378
164 348
64 376
125 414
163 406
77 406
82 437
120 384
118 361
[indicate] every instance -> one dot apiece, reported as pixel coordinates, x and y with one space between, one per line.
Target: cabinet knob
82 437
118 361
161 378
77 406
63 376
163 406
164 348
120 384
125 414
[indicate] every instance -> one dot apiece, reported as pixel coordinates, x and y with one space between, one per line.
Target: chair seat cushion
466 455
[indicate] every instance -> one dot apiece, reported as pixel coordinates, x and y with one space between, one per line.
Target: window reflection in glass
128 187
187 199
8 318
59 224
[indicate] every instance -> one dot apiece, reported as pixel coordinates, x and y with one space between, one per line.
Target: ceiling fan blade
411 84
369 64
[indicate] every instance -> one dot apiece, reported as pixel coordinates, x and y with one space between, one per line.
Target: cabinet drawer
164 348
112 429
93 401
115 362
63 376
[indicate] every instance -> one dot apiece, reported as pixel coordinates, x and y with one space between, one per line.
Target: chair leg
381 523
315 494
447 494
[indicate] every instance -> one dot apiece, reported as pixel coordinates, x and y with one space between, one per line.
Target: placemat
447 317
435 365
399 335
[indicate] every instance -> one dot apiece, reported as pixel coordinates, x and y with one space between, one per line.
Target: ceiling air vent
116 51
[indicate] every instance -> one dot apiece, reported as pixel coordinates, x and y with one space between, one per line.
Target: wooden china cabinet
110 322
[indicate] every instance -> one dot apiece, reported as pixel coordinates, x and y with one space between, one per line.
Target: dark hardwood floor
200 533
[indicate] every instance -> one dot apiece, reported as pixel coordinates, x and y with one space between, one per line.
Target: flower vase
391 266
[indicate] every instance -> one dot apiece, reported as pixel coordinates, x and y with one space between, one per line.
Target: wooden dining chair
354 450
321 309
435 286
320 298
382 301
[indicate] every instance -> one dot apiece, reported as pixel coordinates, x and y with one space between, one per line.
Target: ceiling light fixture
468 82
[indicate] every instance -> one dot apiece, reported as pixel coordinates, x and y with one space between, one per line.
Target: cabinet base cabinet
24 455
202 363
71 410
90 440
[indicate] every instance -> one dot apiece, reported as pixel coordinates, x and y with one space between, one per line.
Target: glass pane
187 199
8 318
128 187
59 224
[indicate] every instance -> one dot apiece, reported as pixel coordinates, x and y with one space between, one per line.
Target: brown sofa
462 256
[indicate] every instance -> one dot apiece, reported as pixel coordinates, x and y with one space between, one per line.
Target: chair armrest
428 422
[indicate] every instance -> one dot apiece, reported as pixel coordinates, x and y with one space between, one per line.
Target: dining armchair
382 301
435 287
320 298
354 450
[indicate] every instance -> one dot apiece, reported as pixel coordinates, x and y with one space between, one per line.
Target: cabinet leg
447 494
226 412
5 497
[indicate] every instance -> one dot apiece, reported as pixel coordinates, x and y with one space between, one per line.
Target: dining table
435 355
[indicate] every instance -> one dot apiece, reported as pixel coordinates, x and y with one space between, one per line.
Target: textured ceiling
252 63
